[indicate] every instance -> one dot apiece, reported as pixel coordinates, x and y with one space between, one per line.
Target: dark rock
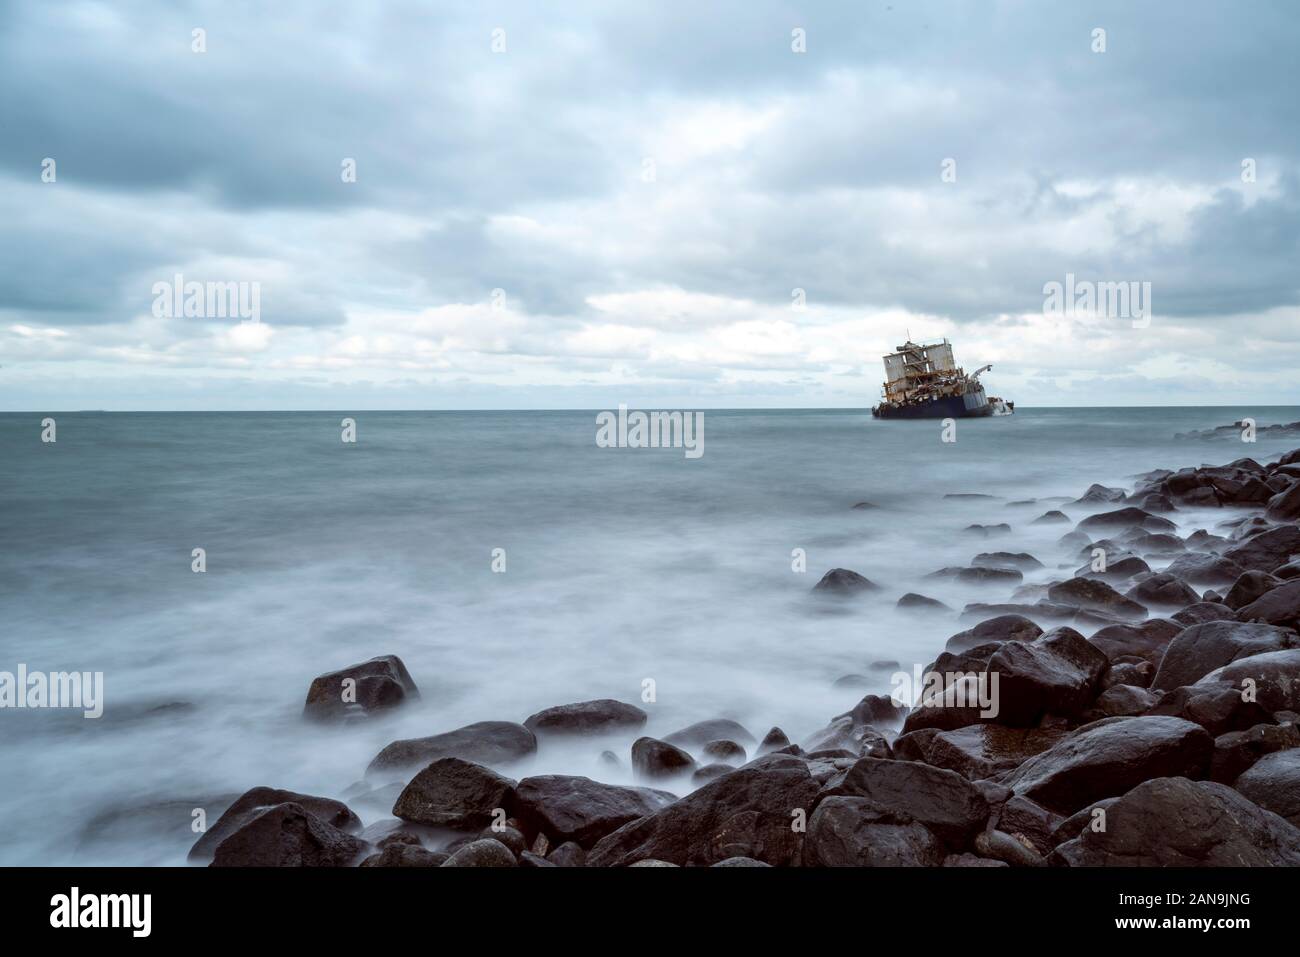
405 855
710 772
724 752
1250 586
1198 650
1278 606
484 852
485 742
1203 569
1235 751
740 862
1288 572
921 603
854 682
1155 543
1202 612
856 832
702 732
1285 506
1122 701
1275 676
1174 822
747 813
1163 589
1100 494
967 700
1000 846
1116 571
511 837
652 758
774 740
941 800
884 665
971 860
1147 640
1108 757
581 810
863 506
568 854
1058 672
1029 822
1135 673
975 751
1053 517
984 531
587 717
1268 550
1090 593
1216 706
842 581
454 793
610 760
287 835
1273 782
1128 517
252 802
987 575
1021 560
999 629
374 685
529 859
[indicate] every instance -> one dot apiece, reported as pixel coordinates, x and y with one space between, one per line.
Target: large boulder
702 732
1204 611
1058 673
287 835
484 852
485 742
578 809
374 685
1093 594
1163 589
747 813
1285 506
1100 495
976 751
249 804
1202 569
1279 606
1001 628
1273 782
1108 757
842 583
1273 678
1198 650
601 716
1235 751
1147 640
1267 550
451 792
1021 560
1174 822
1217 706
1248 587
947 804
856 832
1128 517
652 758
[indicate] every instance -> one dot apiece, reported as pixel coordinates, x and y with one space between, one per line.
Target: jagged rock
287 835
1021 560
1058 672
1273 782
702 732
745 813
1147 640
774 740
484 852
601 716
1174 822
856 832
1108 757
1090 593
652 758
454 793
1268 550
1163 589
374 685
253 801
1198 650
1235 751
999 629
843 582
1278 606
578 809
943 801
1275 676
484 742
1100 494
1204 611
1052 517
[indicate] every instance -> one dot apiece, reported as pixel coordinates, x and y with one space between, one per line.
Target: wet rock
1121 701
745 813
971 860
484 852
1128 517
1000 846
1200 649
1147 640
1200 569
1278 606
1268 550
724 752
375 685
856 832
248 805
1090 593
740 862
485 742
710 772
578 809
702 732
653 862
1058 672
1154 543
942 801
917 602
1216 706
1273 782
1163 589
405 855
1021 560
1135 673
652 758
1204 611
454 793
1275 676
530 859
1028 822
1174 822
984 531
1236 751
1202 540
1052 517
1100 495
998 629
601 716
975 751
1288 572
774 740
987 575
1285 506
843 582
508 834
966 700
287 835
1117 571
568 854
1108 757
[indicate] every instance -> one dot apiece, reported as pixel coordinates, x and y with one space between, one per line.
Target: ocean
625 569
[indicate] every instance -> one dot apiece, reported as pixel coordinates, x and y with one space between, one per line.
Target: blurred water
622 565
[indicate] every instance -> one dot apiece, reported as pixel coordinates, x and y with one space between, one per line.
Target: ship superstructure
923 381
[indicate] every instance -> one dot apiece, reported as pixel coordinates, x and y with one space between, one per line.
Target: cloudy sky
572 205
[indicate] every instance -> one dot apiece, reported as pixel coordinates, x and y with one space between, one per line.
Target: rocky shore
1142 707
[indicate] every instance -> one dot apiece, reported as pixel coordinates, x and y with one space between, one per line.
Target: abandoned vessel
922 381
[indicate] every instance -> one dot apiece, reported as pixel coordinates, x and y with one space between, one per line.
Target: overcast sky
620 204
